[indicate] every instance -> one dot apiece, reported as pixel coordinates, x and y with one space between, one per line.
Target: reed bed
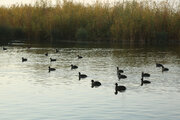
125 22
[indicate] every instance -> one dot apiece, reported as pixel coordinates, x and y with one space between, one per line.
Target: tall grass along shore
133 22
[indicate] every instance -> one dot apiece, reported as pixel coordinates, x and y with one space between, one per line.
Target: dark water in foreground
29 92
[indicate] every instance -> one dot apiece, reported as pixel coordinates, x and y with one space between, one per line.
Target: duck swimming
51 69
82 75
95 83
74 66
24 59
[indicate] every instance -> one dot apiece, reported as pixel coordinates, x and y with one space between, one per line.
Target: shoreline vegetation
129 22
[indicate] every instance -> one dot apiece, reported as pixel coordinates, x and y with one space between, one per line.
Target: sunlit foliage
127 22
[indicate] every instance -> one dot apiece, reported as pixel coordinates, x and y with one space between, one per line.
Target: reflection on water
29 91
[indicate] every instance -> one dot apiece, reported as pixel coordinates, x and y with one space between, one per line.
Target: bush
5 31
18 33
81 34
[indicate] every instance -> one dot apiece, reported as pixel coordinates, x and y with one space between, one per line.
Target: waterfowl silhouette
120 76
119 88
4 48
82 76
24 59
52 60
56 50
164 69
159 65
145 74
74 66
119 71
46 54
95 83
144 81
79 57
51 69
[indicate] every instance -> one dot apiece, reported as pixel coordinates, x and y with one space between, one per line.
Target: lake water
29 92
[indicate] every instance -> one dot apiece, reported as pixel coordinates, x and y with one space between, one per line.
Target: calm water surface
29 92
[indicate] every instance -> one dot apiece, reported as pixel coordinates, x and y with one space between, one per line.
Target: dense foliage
127 22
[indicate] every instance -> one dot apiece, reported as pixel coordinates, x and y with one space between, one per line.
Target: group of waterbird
121 76
119 88
148 75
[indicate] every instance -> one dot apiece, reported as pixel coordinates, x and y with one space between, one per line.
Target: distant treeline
125 22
